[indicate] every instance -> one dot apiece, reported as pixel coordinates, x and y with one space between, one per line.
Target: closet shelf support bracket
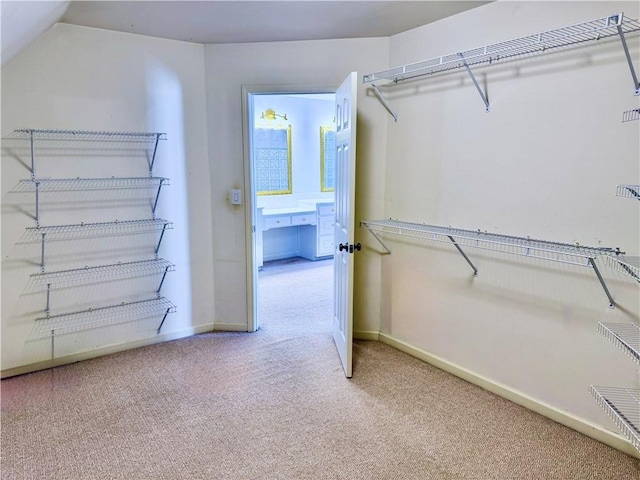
475 83
384 101
386 249
153 156
636 85
163 319
475 270
612 303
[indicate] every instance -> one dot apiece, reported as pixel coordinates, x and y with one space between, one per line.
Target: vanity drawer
304 219
277 221
325 245
325 226
326 209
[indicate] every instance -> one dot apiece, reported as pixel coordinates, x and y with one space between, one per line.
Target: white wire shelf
572 254
626 336
84 230
523 246
75 184
40 282
629 191
631 115
100 317
88 135
625 264
623 407
592 30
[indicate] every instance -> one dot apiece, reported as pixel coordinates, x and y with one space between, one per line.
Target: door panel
345 218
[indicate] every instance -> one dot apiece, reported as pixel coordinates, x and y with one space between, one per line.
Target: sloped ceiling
230 21
23 22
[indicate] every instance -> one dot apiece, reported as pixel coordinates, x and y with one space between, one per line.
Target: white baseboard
108 350
366 335
576 423
230 327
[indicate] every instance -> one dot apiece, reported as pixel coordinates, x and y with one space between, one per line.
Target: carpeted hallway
275 405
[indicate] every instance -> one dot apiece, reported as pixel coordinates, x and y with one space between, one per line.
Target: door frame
250 211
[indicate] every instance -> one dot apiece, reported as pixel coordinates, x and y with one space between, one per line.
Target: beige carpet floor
275 405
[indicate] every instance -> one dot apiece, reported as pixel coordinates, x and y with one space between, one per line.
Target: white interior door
345 218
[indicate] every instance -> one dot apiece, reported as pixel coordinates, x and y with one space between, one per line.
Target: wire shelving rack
572 254
622 405
74 184
630 191
537 43
50 326
626 336
45 281
88 135
81 231
631 115
625 264
85 230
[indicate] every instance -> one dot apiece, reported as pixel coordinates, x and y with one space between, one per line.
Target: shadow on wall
165 113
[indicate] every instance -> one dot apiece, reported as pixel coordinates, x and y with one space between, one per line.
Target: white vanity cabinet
316 243
302 231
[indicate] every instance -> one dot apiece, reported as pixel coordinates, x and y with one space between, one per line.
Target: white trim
230 327
108 350
576 423
249 203
366 335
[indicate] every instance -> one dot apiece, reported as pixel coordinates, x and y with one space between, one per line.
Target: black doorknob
342 247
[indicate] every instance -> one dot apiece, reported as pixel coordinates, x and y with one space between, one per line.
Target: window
272 155
327 159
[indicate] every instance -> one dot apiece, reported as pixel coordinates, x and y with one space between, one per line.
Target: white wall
543 163
309 63
88 79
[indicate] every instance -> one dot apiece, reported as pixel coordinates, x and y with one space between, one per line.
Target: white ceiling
227 21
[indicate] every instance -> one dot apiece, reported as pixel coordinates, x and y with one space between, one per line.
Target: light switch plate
236 198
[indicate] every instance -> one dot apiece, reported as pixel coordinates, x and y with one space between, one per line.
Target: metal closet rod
573 254
592 30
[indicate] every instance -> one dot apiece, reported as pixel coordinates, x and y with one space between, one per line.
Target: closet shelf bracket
387 251
636 85
475 270
483 95
384 101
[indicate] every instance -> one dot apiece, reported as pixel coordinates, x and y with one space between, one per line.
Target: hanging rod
521 246
102 317
631 115
625 336
592 30
623 407
40 282
631 191
92 135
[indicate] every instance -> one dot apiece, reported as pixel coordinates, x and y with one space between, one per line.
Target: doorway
291 145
